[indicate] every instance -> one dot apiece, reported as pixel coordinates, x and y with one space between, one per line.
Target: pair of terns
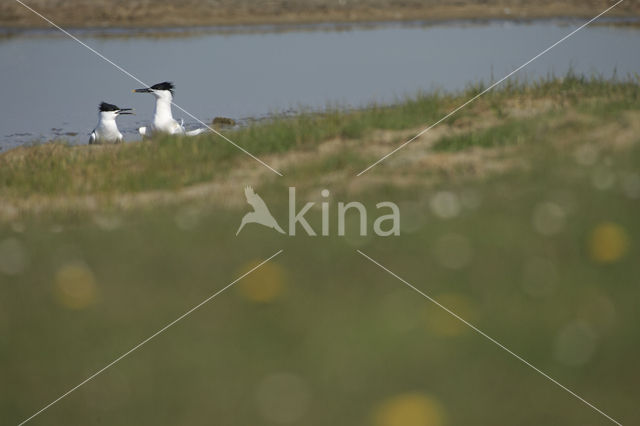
107 130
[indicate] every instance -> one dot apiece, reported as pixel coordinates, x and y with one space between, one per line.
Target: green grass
353 335
348 330
167 163
307 128
514 132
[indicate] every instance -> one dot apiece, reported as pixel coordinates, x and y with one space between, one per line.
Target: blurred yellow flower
410 409
608 243
263 285
75 286
442 323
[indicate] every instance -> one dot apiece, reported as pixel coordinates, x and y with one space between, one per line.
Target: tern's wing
92 138
196 132
178 128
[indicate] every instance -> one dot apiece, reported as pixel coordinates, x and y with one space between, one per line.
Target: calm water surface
52 85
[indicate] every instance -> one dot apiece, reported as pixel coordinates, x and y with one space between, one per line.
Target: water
52 85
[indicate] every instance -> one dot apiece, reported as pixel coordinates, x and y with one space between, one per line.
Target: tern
107 130
163 120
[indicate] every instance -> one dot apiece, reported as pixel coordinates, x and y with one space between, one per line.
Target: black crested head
164 86
108 107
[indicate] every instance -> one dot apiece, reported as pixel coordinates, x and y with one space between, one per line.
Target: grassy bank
164 13
552 115
520 215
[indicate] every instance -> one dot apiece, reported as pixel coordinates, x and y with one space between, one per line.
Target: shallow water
52 85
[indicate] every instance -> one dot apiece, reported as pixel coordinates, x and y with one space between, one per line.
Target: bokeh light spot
548 218
586 155
608 243
263 285
75 286
411 409
445 205
603 178
575 344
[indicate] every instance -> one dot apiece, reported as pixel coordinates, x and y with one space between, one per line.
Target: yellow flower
608 243
75 286
263 285
410 409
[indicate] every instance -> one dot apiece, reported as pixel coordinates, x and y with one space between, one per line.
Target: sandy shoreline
165 13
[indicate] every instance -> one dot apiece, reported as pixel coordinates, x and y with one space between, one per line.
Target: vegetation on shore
515 115
192 13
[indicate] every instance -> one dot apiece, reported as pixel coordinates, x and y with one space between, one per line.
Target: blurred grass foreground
520 214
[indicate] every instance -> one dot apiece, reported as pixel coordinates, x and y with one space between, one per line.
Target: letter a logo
260 213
